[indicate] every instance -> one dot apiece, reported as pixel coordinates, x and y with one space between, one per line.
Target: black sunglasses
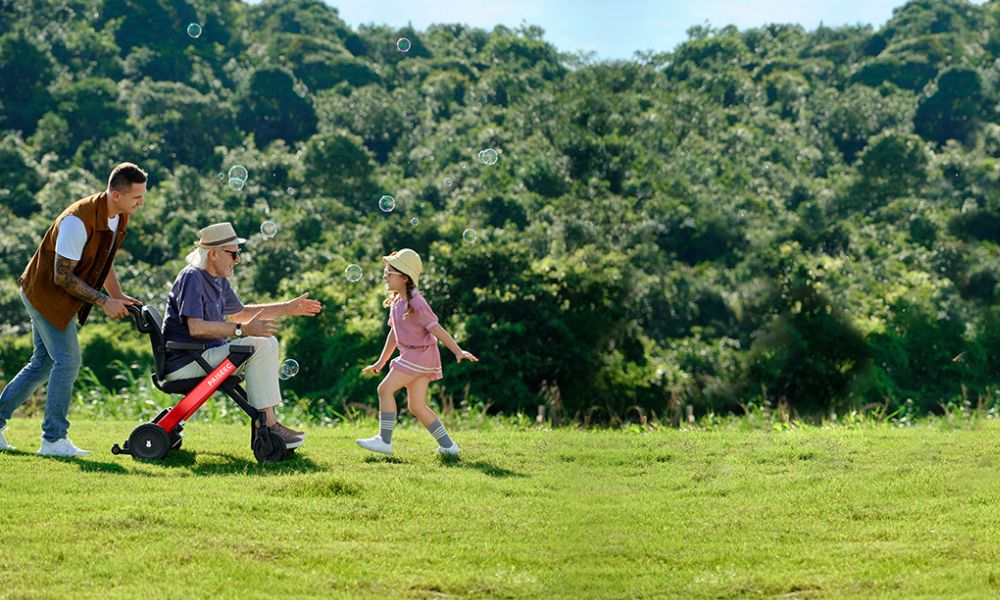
234 253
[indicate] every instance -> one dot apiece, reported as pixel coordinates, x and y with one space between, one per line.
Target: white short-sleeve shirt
73 236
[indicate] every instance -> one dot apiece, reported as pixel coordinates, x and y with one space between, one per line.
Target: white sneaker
62 447
452 450
3 442
375 444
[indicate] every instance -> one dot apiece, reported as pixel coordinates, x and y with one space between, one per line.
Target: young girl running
414 329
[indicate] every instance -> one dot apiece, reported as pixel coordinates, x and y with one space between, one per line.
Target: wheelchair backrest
152 324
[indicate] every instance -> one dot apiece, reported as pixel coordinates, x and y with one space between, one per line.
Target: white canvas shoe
3 442
452 450
61 447
375 444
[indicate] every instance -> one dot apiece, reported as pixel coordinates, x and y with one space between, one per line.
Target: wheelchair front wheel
270 449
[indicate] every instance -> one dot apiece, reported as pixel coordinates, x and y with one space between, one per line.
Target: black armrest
241 349
185 346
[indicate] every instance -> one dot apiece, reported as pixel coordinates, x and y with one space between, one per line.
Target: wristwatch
239 330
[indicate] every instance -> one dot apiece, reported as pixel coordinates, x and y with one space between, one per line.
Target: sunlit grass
865 510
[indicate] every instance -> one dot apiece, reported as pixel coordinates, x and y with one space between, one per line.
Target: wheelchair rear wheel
149 441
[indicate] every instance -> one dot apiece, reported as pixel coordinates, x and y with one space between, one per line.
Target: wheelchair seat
181 386
151 322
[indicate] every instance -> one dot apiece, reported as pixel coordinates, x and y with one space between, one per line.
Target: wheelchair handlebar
136 313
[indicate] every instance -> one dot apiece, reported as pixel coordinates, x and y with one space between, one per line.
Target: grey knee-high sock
386 421
437 430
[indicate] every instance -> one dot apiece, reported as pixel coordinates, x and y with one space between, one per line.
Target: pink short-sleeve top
415 328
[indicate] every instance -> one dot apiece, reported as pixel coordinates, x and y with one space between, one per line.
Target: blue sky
615 29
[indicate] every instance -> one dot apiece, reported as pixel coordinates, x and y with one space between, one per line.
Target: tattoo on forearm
75 286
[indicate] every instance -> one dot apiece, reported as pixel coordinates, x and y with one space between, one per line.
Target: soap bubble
403 45
448 181
489 156
414 221
353 273
235 183
268 229
290 191
289 369
194 30
239 172
386 203
222 176
469 235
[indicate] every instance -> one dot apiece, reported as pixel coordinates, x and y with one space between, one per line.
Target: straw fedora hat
218 235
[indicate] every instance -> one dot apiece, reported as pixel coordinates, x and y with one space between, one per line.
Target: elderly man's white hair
198 258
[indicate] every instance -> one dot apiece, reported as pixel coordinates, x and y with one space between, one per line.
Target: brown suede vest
38 280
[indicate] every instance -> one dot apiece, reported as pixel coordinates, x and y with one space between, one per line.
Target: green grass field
809 513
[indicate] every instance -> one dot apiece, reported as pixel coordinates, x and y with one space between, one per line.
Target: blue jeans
57 358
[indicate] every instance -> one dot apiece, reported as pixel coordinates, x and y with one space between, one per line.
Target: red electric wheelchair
153 440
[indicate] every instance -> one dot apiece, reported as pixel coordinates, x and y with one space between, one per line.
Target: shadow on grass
487 468
221 463
85 464
392 460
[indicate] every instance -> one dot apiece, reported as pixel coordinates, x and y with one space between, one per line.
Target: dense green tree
810 354
893 165
20 177
954 111
860 112
379 117
187 122
92 107
270 107
338 165
312 18
25 73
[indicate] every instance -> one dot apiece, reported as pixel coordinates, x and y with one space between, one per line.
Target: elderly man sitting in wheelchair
203 308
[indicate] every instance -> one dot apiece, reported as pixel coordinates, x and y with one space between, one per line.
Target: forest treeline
772 215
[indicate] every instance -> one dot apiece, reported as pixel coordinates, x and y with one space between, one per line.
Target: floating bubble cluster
289 369
386 203
239 172
268 229
489 156
353 273
194 30
237 177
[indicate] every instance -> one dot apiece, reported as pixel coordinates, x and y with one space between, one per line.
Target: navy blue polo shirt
196 294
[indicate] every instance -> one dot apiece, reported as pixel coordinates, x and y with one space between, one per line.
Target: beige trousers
261 369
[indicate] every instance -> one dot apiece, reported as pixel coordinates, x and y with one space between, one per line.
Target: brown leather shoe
291 440
301 434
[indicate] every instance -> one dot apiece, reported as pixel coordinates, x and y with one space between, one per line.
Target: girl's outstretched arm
387 350
446 339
